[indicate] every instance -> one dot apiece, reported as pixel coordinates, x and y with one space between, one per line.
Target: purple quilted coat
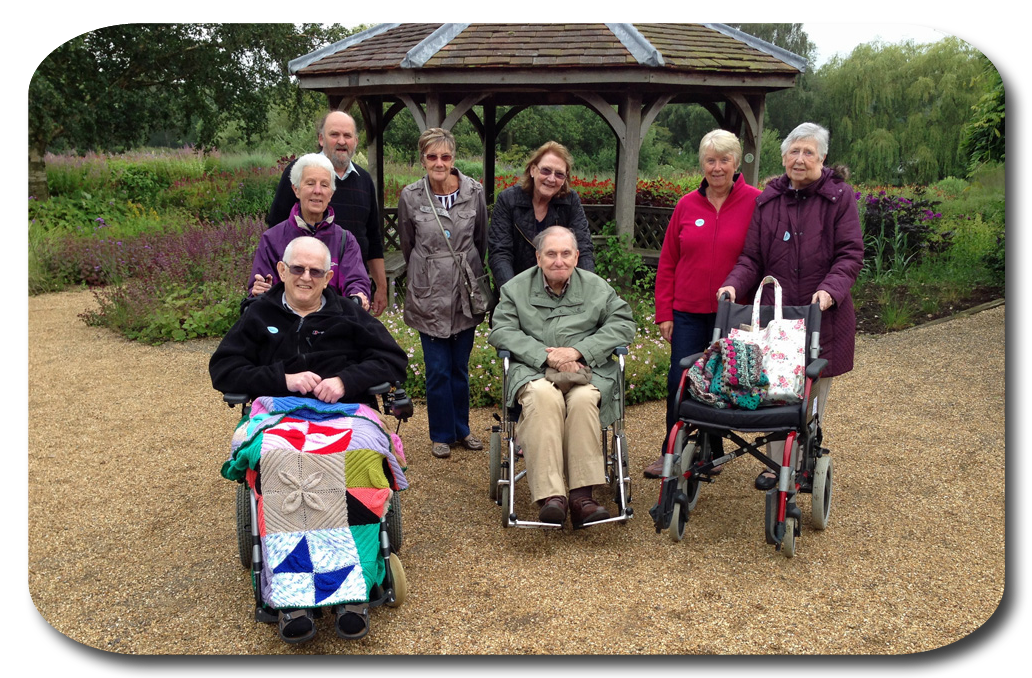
809 239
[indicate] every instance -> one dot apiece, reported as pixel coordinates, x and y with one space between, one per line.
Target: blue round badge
700 222
272 330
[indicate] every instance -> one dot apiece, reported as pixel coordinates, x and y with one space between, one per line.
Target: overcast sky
841 38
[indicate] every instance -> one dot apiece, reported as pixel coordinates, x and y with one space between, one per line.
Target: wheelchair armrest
620 350
502 353
234 399
379 389
815 368
689 360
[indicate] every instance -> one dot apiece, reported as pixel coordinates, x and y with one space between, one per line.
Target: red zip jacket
700 248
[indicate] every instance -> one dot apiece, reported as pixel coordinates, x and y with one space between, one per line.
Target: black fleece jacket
270 341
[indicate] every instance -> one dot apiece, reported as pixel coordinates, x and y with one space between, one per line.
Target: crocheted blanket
729 374
323 475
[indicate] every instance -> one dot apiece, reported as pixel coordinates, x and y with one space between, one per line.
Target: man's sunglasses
300 271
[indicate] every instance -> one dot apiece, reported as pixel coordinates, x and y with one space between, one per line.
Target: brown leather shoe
655 469
586 510
471 442
441 450
553 510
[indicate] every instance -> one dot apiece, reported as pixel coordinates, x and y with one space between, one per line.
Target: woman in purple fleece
805 232
313 180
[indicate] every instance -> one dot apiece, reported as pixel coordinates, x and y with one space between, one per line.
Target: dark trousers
447 385
693 332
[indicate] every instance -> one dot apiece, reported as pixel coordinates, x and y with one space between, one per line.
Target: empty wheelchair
507 465
803 465
345 554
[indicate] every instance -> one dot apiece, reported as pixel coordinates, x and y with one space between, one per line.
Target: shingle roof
677 47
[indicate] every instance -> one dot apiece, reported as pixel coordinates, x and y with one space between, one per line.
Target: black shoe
766 480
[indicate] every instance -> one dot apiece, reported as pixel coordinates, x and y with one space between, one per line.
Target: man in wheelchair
302 338
561 325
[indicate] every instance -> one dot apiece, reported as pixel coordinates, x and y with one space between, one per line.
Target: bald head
338 139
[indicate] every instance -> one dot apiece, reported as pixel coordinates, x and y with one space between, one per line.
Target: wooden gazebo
624 72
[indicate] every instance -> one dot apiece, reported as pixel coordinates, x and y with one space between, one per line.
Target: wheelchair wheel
503 498
245 542
495 464
678 519
820 499
788 543
689 451
400 583
394 523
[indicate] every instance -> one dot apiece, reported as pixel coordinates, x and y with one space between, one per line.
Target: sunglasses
548 171
300 271
445 157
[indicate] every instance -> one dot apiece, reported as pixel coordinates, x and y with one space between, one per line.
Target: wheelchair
805 466
507 465
391 590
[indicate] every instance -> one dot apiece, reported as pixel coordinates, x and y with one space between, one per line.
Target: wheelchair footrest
265 616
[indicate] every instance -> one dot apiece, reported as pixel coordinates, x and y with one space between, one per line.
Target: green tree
985 133
787 108
111 88
897 112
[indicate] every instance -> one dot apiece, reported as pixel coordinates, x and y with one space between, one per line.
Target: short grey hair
808 130
539 239
312 160
721 141
288 251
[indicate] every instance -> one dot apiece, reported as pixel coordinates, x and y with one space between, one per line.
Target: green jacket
590 317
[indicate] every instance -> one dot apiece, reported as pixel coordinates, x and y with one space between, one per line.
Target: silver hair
808 130
288 251
312 160
539 239
721 141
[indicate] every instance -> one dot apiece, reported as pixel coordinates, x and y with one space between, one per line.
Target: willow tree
897 112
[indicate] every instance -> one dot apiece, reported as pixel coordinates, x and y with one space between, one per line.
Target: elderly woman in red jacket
806 233
702 243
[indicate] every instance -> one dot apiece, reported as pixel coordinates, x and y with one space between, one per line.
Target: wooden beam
462 108
605 109
416 110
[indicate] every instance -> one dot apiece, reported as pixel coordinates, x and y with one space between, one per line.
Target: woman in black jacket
541 198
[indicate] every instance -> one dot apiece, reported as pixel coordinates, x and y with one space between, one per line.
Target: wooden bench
394 267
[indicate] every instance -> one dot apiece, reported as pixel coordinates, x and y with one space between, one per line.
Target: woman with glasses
313 180
540 199
442 224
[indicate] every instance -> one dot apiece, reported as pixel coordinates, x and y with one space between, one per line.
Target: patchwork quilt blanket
323 475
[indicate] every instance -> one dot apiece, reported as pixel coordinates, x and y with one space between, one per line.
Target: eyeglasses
548 171
445 157
300 271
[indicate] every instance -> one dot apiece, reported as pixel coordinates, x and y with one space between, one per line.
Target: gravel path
132 544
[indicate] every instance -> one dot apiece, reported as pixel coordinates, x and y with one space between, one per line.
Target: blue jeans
693 332
447 385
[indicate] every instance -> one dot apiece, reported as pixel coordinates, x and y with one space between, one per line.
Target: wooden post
490 135
628 152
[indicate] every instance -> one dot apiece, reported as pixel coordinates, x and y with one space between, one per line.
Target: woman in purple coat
806 233
313 180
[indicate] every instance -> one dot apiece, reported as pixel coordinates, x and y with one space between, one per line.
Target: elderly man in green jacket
561 324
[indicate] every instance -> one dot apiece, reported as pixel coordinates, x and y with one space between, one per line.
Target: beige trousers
561 437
